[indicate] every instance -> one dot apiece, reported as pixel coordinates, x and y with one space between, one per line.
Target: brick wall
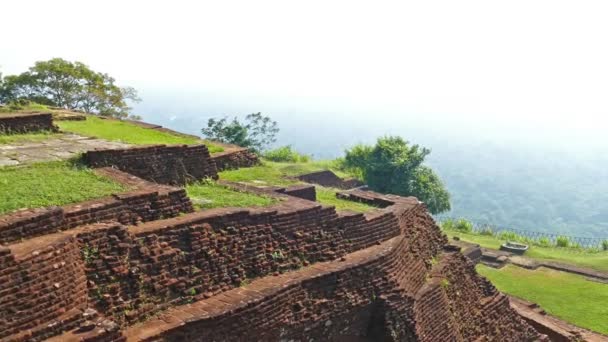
307 192
147 204
162 164
25 123
277 273
234 158
42 285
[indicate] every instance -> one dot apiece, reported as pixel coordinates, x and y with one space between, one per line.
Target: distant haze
500 89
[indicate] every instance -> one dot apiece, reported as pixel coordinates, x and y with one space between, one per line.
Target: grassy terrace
116 130
567 296
54 183
597 260
283 174
208 194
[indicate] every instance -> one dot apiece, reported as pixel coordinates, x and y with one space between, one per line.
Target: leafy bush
544 242
447 224
562 241
605 245
463 225
286 154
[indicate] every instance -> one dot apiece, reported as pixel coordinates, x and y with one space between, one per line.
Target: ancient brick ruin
143 266
175 164
293 271
26 123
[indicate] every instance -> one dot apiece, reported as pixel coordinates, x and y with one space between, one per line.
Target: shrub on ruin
286 154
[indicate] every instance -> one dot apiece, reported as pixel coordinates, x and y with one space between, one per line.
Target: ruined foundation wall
175 165
235 158
288 272
26 123
144 205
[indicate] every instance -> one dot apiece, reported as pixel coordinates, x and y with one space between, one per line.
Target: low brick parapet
174 165
13 123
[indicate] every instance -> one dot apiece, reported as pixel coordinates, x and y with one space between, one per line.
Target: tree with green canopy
256 132
394 166
70 85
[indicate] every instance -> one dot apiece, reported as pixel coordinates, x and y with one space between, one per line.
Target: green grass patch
597 260
24 138
126 132
219 196
327 196
54 183
29 107
567 296
283 174
278 174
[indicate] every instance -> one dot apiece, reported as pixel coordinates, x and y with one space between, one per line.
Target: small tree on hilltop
394 166
256 132
71 85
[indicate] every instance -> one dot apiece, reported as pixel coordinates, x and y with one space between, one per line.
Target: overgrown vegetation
256 132
394 166
71 85
208 194
126 132
286 154
54 183
565 295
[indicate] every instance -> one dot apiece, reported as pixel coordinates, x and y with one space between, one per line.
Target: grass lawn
574 256
116 130
327 196
54 183
296 169
25 108
277 174
29 137
567 296
221 196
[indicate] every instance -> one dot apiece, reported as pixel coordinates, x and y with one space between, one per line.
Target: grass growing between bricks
568 296
116 130
54 183
283 174
597 260
208 194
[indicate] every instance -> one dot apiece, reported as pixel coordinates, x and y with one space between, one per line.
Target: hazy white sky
542 63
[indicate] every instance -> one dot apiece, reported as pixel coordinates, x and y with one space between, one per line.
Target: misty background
511 97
